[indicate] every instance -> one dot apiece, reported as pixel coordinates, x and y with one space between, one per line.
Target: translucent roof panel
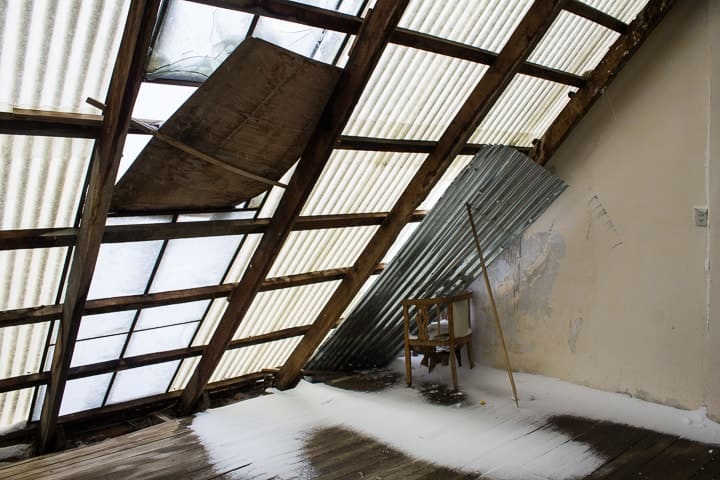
30 277
95 350
523 112
312 250
160 339
15 406
194 40
56 54
171 314
289 307
625 10
413 94
311 42
142 382
242 361
573 44
356 182
22 347
112 323
84 393
40 180
123 268
486 24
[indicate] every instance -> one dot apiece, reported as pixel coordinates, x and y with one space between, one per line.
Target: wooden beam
369 45
370 144
520 45
25 316
617 56
54 124
124 85
331 20
83 371
594 15
64 237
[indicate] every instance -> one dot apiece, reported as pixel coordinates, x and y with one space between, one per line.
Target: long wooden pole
494 306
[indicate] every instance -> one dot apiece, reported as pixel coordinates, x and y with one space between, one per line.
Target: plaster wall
610 287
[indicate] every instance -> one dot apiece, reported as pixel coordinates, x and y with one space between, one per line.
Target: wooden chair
442 323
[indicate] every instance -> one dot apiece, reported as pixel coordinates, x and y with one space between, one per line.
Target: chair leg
453 369
458 355
408 365
471 362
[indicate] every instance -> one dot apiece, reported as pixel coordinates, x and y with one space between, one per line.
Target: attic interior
213 200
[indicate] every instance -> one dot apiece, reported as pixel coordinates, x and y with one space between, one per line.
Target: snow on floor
494 438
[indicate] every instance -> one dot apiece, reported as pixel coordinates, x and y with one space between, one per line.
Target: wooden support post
369 45
492 302
616 57
520 45
124 86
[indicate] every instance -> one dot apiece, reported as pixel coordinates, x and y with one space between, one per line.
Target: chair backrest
461 317
431 315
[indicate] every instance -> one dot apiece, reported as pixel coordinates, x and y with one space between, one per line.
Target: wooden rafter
124 86
26 316
369 45
594 15
142 232
340 22
520 45
617 56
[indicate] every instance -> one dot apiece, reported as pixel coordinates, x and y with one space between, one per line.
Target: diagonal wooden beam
520 45
124 86
369 45
584 10
339 22
617 56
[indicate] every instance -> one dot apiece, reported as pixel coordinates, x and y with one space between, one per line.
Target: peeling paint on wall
522 278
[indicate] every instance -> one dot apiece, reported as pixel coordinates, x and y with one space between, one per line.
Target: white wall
609 288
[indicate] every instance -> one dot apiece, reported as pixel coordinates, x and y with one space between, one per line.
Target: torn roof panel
231 118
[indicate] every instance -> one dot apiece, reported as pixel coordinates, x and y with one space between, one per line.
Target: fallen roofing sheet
255 112
507 192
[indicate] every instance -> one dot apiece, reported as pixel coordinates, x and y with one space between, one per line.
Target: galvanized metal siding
506 190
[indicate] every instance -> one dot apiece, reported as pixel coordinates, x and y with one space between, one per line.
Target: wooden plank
89 370
403 146
594 15
124 86
24 316
627 463
54 124
255 113
522 42
368 47
617 56
64 237
679 461
339 22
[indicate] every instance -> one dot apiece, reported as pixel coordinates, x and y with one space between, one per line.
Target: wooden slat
54 124
25 316
403 146
64 237
594 15
124 86
618 55
89 370
339 22
369 45
522 42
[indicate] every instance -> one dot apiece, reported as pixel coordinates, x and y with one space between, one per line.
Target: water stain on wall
522 278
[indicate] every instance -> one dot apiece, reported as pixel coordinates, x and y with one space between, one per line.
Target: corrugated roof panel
486 24
15 406
573 44
413 94
523 112
30 277
358 181
289 307
312 250
625 10
254 359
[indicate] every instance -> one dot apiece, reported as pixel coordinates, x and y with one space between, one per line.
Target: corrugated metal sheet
52 56
506 190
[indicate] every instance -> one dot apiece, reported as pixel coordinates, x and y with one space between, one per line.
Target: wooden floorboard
172 451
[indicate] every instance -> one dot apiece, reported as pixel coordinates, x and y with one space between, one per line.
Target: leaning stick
492 302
